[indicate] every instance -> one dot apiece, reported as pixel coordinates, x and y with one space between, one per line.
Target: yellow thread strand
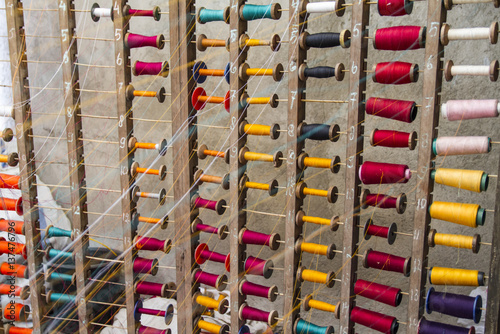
315 192
257 129
451 276
319 305
317 162
314 276
458 213
104 246
454 240
460 178
314 248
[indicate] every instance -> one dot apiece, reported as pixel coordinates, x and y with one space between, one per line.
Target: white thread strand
456 110
102 12
320 7
469 33
470 70
462 145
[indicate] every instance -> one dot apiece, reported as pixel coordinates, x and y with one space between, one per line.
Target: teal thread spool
212 15
53 231
52 253
257 12
61 277
304 327
60 297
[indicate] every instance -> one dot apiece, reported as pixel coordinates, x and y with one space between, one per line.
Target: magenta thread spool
167 314
460 306
152 244
155 289
379 292
383 173
387 262
256 238
400 38
198 226
154 13
215 281
374 320
383 201
145 266
457 110
431 327
394 139
256 266
388 233
395 73
144 68
217 206
150 330
202 254
399 110
248 288
133 41
250 313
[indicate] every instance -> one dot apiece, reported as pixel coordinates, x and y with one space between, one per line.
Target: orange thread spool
11 269
12 226
258 100
148 171
211 99
147 146
214 153
213 73
213 42
19 330
5 289
8 247
211 178
9 181
16 312
260 71
149 220
144 93
12 204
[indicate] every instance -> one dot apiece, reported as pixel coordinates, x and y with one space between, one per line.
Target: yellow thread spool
316 220
472 180
253 156
260 71
207 302
452 276
452 240
314 276
255 42
144 93
256 185
315 192
213 42
208 326
4 158
314 248
323 306
257 129
317 162
258 100
459 213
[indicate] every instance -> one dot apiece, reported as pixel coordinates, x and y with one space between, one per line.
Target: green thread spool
60 297
256 12
53 231
304 327
213 15
52 253
61 277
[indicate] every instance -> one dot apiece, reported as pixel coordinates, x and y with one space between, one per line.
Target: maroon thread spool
150 330
156 68
249 237
145 266
394 7
133 41
152 244
388 233
399 110
256 266
248 288
374 320
383 201
250 313
154 13
198 226
395 73
166 290
200 203
215 281
394 139
387 262
381 293
400 38
202 254
383 173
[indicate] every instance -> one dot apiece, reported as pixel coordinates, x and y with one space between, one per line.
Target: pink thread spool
218 206
202 254
374 320
457 110
133 41
250 313
167 314
387 262
399 38
248 288
383 201
166 290
399 110
461 145
150 330
144 68
395 73
381 293
152 244
198 226
256 238
154 13
145 266
388 233
256 266
383 173
395 139
215 281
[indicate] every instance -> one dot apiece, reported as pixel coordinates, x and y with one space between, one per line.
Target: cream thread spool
323 7
450 3
448 34
96 12
461 145
450 70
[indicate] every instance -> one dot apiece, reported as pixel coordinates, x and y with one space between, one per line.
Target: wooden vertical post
27 167
76 159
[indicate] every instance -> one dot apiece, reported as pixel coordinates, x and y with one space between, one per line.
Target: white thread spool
461 145
6 111
457 110
97 12
448 34
450 70
450 3
323 7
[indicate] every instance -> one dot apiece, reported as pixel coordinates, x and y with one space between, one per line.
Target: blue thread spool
60 297
62 277
53 231
459 306
257 12
52 253
212 15
304 327
244 330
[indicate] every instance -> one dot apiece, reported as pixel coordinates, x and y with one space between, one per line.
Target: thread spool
96 12
314 276
52 231
271 187
203 152
309 303
201 72
466 214
221 305
8 181
245 155
452 276
199 99
134 144
383 173
322 72
381 293
22 292
51 253
60 277
54 297
301 191
399 110
304 327
304 161
461 145
136 169
249 12
393 139
12 226
162 222
429 327
11 159
200 177
472 180
202 43
166 290
394 8
12 269
453 240
131 93
250 313
301 218
400 38
211 15
215 281
374 320
448 34
133 41
245 72
155 13
10 329
16 312
152 244
150 330
7 134
318 131
259 267
161 196
11 204
218 206
325 40
450 3
203 253
260 130
326 250
388 233
167 314
210 327
198 226
336 7
450 70
272 101
15 248
458 110
157 68
248 288
246 42
395 73
145 266
459 306
249 237
387 262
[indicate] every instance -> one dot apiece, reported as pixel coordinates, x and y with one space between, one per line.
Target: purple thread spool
256 266
248 288
167 314
203 253
217 206
140 41
152 244
145 266
150 330
216 281
459 306
256 238
143 68
155 289
198 226
430 327
250 313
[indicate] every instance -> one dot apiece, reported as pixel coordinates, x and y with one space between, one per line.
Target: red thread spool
143 68
217 206
11 269
145 266
256 238
8 181
140 41
9 329
202 254
387 262
381 293
399 110
198 226
216 281
152 244
11 204
199 99
8 247
391 138
150 330
388 233
16 312
155 289
394 7
250 313
383 173
256 266
374 320
395 73
252 289
383 201
12 226
399 38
